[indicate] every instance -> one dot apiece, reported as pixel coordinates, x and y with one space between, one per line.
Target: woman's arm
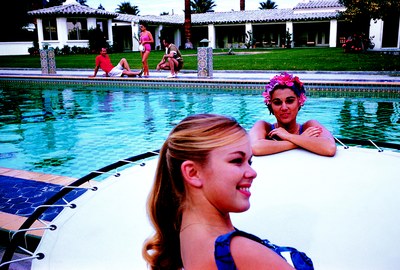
315 138
262 146
151 38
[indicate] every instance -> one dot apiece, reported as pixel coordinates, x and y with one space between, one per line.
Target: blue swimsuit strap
224 260
300 129
222 252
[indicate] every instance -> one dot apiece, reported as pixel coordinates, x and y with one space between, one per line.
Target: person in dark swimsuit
204 173
284 97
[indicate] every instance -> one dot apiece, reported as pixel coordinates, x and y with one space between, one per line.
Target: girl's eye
250 162
290 100
237 161
277 102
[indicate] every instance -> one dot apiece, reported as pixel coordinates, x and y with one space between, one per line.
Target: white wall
15 48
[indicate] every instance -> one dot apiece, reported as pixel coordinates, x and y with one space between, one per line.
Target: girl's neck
191 219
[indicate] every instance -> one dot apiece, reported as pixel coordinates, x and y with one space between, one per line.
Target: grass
307 59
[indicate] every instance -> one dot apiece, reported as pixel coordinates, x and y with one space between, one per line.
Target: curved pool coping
365 84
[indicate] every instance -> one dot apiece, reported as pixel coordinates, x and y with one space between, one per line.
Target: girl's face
227 177
285 105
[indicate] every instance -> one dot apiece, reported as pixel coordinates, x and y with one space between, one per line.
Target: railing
18 236
377 145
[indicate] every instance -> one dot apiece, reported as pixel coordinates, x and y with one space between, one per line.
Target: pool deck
363 77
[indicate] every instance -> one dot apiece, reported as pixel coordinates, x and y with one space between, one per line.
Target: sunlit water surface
73 131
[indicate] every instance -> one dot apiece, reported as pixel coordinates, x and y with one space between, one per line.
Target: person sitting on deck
103 61
284 96
172 59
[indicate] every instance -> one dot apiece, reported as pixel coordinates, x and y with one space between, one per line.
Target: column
44 64
333 34
51 58
398 36
249 34
157 36
40 31
211 36
289 28
204 62
110 32
47 61
376 31
135 36
177 38
62 32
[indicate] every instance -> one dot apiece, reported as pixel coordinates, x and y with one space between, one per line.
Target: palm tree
188 21
202 6
268 5
242 4
82 2
127 8
53 3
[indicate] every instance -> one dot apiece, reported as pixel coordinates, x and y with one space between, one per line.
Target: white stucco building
309 23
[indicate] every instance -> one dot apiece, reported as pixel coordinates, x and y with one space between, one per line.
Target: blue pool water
73 130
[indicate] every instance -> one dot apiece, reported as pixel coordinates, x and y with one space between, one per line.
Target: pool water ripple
74 130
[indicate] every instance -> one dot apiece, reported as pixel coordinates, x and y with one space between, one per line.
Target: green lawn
329 59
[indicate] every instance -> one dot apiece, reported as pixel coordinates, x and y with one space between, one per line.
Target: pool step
11 222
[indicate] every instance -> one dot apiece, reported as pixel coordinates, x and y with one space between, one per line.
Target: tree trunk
242 4
188 21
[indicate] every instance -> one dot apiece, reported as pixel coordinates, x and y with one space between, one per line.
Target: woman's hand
312 132
279 132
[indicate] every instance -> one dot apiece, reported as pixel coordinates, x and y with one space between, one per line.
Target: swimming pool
74 129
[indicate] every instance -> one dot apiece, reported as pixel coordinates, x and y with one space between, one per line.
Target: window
49 29
77 29
103 25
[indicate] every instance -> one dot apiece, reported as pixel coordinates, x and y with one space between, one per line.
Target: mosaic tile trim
334 89
20 196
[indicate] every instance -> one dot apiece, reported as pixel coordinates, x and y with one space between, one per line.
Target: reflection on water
75 130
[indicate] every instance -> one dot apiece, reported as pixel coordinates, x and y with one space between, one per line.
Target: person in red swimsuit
103 61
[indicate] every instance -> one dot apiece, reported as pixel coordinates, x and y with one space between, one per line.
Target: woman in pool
204 173
284 96
146 39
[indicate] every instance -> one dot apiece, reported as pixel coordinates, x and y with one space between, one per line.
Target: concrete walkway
239 76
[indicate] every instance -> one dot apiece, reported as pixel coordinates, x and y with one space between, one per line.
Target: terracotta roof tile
72 10
247 16
318 4
250 16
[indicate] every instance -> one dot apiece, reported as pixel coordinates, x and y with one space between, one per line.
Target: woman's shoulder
262 125
311 123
